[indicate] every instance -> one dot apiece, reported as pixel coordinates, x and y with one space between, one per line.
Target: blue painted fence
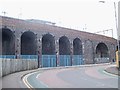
21 56
49 61
7 56
34 57
65 60
77 60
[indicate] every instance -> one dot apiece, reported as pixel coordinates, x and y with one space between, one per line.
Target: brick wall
89 40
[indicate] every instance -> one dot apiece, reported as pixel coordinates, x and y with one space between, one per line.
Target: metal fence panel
48 60
7 56
65 60
77 60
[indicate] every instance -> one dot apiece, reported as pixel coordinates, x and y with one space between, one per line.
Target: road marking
26 82
41 81
38 76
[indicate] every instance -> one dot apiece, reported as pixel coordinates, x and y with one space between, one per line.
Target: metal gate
65 60
77 60
49 61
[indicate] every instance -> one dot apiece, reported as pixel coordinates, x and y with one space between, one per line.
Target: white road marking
38 76
40 81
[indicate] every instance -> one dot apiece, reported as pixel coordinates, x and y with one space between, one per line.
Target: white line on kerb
110 74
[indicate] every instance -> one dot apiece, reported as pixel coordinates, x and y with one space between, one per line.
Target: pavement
113 70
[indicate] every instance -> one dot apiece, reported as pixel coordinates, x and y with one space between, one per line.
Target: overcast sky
83 15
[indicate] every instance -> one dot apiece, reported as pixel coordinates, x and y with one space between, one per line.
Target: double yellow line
26 81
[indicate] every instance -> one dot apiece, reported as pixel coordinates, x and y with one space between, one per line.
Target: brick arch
77 52
28 43
48 44
77 47
64 46
48 51
64 51
102 50
8 42
102 53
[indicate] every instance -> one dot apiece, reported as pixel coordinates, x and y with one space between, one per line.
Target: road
77 77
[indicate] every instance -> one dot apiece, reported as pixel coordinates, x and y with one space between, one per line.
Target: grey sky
84 15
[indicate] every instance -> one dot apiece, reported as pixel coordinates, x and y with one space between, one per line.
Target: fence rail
29 57
8 56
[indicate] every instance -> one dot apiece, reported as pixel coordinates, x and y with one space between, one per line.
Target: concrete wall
14 65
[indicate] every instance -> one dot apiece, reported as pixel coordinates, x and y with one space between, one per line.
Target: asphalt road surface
77 77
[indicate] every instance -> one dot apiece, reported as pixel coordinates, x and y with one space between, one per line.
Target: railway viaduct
53 45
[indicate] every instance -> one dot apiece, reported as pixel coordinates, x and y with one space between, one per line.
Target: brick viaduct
21 37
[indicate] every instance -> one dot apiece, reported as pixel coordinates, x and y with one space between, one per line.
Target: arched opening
77 46
48 51
48 45
64 51
28 43
8 43
77 52
102 54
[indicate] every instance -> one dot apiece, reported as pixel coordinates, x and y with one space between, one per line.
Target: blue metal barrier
7 56
78 60
49 61
29 57
21 56
65 60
